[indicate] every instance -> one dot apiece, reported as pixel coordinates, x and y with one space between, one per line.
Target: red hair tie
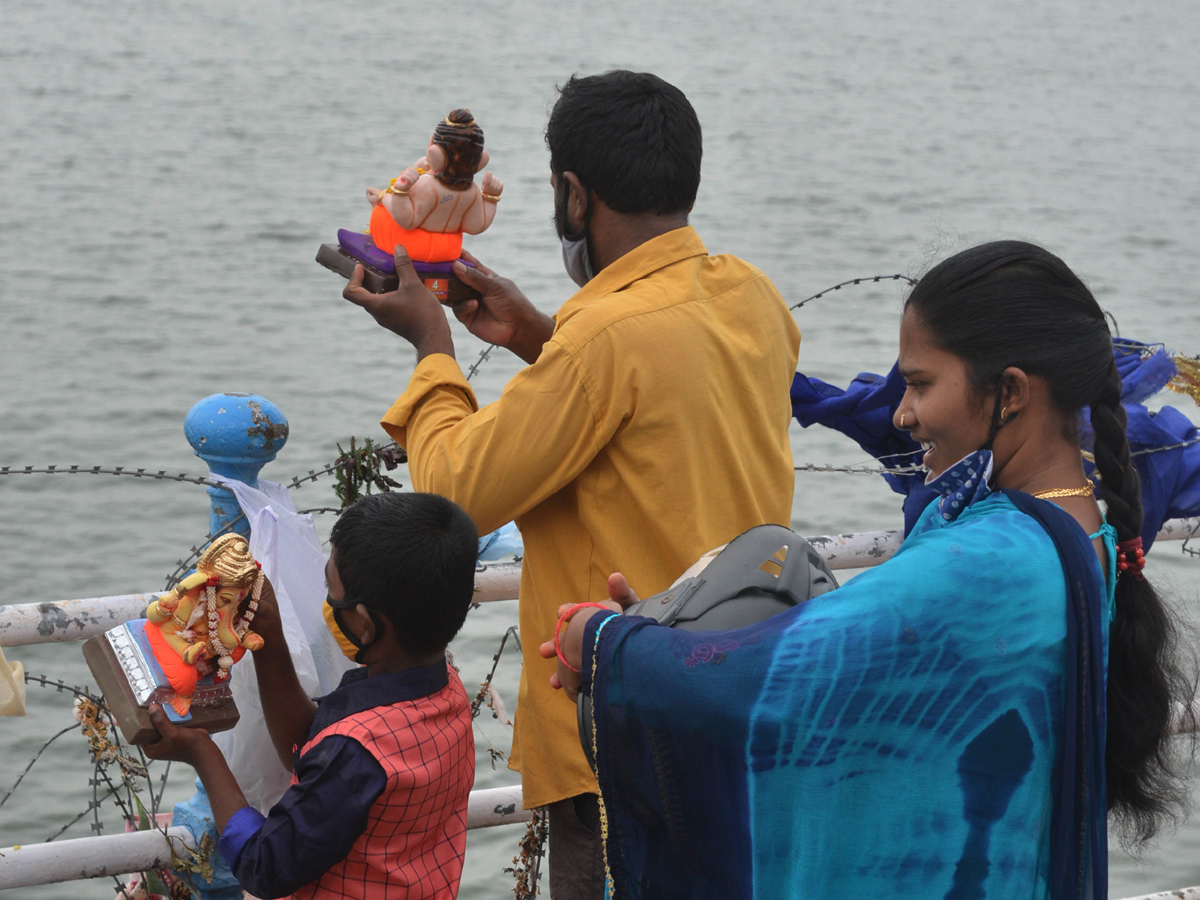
1130 558
562 620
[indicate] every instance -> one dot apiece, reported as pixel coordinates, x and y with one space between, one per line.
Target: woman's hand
570 639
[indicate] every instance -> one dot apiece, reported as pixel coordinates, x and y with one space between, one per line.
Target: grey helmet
758 574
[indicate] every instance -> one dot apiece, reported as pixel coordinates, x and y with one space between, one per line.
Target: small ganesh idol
181 654
426 209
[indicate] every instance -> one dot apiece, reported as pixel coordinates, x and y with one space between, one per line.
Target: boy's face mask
346 645
355 649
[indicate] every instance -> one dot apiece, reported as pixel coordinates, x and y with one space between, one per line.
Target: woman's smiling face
940 407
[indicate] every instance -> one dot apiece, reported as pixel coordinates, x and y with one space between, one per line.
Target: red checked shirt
378 805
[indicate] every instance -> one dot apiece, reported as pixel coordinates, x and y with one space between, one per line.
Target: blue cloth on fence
502 543
1170 477
902 736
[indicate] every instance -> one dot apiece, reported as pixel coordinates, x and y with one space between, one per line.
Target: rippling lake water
169 170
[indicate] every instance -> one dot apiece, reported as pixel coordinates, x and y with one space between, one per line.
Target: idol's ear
484 158
436 157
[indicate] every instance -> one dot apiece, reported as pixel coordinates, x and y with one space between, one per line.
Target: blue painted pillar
196 815
236 435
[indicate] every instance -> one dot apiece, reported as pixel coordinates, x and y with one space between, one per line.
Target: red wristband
563 619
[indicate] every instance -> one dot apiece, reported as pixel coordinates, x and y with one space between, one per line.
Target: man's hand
175 742
503 316
410 311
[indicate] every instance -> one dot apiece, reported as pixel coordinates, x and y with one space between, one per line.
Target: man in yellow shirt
650 426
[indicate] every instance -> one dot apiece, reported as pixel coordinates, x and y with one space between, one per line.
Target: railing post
236 435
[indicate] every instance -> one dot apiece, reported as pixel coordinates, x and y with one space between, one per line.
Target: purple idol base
379 277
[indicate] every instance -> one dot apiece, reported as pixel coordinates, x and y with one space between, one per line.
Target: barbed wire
871 279
160 475
860 469
94 722
75 820
1190 551
12 790
484 355
1147 450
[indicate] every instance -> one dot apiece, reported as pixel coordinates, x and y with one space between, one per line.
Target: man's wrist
532 335
436 340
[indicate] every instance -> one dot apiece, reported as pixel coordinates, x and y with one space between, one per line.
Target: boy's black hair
631 137
410 557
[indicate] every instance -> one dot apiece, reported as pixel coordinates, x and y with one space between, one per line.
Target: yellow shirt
652 428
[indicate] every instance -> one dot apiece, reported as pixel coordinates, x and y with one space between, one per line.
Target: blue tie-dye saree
932 729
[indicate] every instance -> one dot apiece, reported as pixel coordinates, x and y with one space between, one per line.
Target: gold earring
903 416
1003 413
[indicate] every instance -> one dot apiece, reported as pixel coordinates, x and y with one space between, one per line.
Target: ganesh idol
181 653
201 627
426 209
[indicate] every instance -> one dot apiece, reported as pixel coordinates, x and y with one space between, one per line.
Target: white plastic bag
287 545
12 687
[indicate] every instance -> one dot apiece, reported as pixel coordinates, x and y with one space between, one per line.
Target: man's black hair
631 137
410 557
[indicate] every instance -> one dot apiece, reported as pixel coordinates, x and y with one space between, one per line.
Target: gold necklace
1085 491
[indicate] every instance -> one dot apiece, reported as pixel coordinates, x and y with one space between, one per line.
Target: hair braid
1144 785
1120 485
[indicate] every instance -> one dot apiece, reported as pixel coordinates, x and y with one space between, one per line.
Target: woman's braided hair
1010 303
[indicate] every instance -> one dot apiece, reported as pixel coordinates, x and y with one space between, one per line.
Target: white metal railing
73 620
76 620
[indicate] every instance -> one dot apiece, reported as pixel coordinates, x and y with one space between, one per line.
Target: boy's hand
194 747
176 742
266 619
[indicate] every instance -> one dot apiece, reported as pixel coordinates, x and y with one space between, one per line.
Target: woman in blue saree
941 726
